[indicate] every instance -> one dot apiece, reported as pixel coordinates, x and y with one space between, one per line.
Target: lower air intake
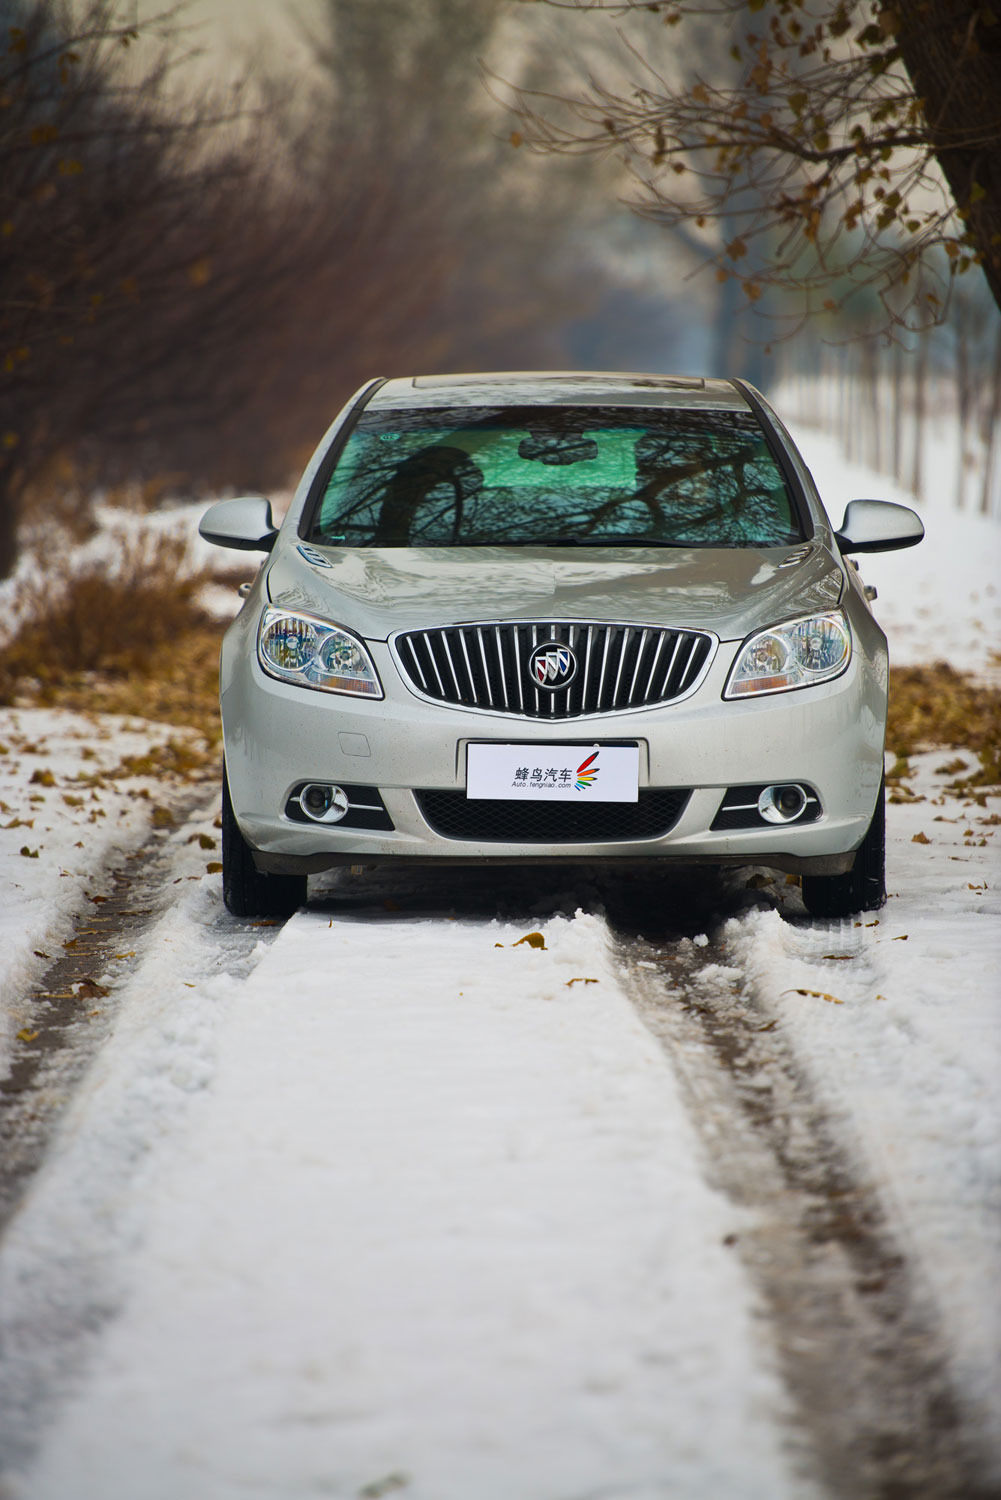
453 815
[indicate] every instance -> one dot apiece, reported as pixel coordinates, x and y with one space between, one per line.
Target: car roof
558 388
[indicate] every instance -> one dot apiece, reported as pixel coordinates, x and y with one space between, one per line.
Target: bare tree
859 138
124 276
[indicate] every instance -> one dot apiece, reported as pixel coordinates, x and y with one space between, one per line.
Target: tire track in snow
858 1341
74 1003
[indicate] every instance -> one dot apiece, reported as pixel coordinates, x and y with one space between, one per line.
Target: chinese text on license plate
571 773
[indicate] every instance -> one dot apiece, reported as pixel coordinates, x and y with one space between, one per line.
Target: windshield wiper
627 540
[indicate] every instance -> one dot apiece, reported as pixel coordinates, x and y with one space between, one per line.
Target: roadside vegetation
129 636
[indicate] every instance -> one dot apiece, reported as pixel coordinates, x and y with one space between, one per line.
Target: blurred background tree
849 141
194 278
130 287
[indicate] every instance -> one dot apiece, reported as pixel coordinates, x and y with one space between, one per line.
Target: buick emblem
552 666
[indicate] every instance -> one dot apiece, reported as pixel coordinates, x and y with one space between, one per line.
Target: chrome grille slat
500 663
636 671
604 665
670 665
622 661
683 681
485 666
486 669
451 665
535 642
417 663
468 664
434 662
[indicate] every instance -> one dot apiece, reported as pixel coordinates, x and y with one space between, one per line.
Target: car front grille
453 815
611 667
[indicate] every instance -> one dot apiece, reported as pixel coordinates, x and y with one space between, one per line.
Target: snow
903 1045
67 814
389 1202
440 1207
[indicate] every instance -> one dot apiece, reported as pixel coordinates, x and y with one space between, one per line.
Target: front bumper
829 738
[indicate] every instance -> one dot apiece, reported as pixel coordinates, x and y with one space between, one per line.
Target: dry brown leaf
533 939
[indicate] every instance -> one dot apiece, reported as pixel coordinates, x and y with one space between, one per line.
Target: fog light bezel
336 804
769 804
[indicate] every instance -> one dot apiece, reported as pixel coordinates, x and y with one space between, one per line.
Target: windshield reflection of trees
706 479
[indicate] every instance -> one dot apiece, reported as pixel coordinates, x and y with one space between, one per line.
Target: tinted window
573 475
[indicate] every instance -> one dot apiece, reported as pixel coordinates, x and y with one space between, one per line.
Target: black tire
863 888
246 892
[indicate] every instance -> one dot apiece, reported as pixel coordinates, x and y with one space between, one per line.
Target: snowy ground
388 1201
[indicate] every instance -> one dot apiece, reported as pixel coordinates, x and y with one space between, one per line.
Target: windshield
558 475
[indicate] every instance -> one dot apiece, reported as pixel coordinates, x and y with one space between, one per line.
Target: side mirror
878 526
246 524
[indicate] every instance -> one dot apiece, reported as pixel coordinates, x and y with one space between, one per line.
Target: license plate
553 773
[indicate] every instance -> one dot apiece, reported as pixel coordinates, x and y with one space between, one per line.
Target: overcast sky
232 29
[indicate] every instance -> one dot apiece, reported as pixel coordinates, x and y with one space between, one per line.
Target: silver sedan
555 618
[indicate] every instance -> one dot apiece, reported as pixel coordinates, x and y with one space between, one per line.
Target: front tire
863 888
246 892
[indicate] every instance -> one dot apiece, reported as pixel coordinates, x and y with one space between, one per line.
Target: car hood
377 591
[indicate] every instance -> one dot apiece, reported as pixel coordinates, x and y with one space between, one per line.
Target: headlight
794 655
315 654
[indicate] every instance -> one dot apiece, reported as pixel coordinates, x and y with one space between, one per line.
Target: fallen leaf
580 981
24 1035
920 838
533 939
39 954
816 995
213 867
29 853
89 989
901 939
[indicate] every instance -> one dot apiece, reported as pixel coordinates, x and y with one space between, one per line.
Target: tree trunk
962 393
990 430
952 51
920 392
9 516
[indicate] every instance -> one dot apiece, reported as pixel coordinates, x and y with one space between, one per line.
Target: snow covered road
390 1199
682 1198
439 1213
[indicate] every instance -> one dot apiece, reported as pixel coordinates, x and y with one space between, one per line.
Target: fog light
782 804
323 803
